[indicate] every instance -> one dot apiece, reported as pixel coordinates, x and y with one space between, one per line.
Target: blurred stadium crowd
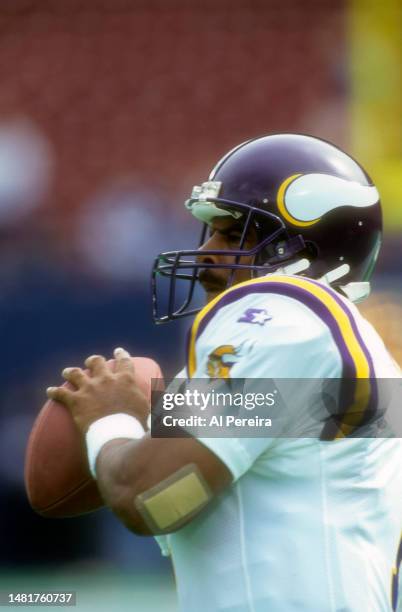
109 112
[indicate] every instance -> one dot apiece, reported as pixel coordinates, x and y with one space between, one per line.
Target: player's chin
211 295
212 290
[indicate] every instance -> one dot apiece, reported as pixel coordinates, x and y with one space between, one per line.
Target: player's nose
210 245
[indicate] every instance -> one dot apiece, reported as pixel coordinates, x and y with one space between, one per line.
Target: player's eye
232 237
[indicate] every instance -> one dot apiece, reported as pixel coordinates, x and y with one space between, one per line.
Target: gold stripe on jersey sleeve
361 363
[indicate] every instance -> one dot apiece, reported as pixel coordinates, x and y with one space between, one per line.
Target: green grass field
98 590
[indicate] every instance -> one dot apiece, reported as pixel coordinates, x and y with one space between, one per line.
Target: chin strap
356 292
335 274
294 268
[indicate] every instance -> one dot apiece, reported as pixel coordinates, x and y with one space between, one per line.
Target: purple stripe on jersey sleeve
374 397
322 311
304 296
187 348
352 320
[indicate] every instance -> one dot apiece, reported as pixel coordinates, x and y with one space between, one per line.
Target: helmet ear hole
312 250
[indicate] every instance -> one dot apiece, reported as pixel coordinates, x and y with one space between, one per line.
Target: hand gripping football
57 478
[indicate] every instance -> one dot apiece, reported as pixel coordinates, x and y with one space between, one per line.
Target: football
57 478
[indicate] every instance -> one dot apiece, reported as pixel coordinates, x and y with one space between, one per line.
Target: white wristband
108 428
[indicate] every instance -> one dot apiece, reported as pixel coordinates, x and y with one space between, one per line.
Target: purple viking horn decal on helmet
314 209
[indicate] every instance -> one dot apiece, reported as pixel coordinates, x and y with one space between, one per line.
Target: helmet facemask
275 249
315 209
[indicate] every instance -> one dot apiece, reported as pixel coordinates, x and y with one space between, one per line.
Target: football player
264 523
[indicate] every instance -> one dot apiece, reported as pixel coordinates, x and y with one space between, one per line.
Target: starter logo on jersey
221 360
258 316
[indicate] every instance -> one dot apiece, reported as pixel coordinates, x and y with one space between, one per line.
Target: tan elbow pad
175 500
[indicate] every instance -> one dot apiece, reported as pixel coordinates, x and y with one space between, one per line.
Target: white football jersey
308 525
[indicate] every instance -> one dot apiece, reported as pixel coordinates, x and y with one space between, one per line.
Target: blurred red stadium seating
161 88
